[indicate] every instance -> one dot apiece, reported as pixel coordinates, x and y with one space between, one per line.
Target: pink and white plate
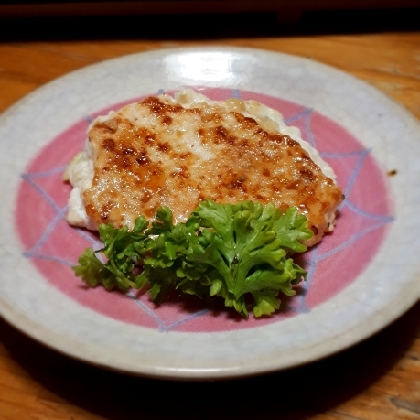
360 278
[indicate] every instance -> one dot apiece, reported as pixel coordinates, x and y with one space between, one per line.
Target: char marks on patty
158 152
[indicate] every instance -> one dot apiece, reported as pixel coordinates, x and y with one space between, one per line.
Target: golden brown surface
378 379
149 152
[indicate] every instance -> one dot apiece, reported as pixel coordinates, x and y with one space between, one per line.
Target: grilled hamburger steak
176 152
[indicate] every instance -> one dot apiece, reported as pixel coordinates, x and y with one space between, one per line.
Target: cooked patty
163 151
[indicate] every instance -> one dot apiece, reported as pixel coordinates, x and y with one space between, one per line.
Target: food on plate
211 198
240 252
179 151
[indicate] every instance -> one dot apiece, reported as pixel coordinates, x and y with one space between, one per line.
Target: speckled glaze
379 288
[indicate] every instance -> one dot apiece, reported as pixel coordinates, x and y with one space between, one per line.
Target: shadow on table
294 394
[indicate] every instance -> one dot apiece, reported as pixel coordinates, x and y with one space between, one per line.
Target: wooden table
376 379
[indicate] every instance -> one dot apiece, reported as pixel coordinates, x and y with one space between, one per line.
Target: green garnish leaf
239 252
124 250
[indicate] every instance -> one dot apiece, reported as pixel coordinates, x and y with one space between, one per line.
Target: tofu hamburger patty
178 151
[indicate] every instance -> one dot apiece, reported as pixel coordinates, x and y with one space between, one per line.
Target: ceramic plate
360 278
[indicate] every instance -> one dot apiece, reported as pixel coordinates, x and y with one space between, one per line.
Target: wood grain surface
378 379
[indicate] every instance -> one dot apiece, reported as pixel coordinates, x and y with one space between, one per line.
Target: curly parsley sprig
229 250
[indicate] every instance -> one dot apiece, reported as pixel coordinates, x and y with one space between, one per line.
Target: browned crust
137 168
